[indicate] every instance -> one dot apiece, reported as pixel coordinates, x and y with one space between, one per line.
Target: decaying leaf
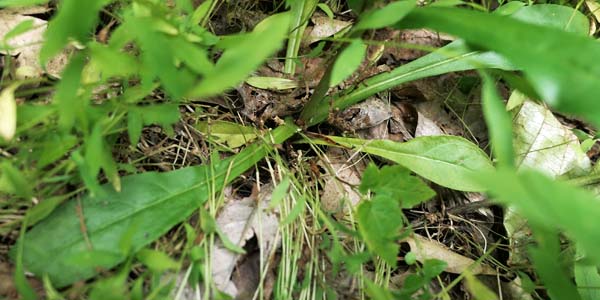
27 45
339 186
323 27
240 220
541 142
427 249
426 127
366 114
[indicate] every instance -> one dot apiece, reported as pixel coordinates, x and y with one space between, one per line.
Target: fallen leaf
339 186
8 112
594 8
240 220
366 114
427 249
427 127
323 27
27 45
541 142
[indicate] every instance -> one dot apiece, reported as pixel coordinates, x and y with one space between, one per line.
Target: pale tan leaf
8 112
27 46
240 220
427 249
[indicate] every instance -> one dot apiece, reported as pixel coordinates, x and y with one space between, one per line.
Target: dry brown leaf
323 27
366 114
28 45
427 249
427 127
347 170
240 220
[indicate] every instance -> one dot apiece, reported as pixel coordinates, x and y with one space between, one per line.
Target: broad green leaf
74 20
272 83
379 223
232 134
397 183
17 3
586 277
385 16
13 181
451 58
477 289
498 122
347 62
449 161
548 14
70 103
164 115
556 62
565 207
279 192
547 262
152 202
244 56
433 267
8 112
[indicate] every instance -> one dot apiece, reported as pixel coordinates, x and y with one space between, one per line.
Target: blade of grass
301 12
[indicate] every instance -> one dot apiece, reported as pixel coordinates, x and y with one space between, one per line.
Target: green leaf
17 3
232 134
379 223
565 207
397 183
347 61
153 202
15 181
279 192
157 261
449 161
272 83
74 20
244 56
477 289
433 267
546 260
556 62
385 16
451 58
498 122
586 277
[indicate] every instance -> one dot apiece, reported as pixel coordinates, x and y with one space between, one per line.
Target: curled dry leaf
27 45
240 220
427 249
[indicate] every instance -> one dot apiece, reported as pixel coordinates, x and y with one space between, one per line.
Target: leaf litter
401 117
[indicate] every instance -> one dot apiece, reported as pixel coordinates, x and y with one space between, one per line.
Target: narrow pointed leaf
449 161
